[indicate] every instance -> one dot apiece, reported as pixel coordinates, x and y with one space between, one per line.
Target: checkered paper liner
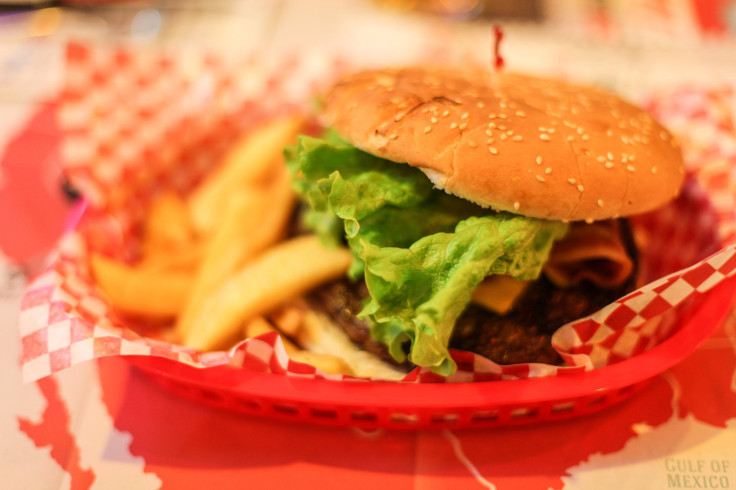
137 122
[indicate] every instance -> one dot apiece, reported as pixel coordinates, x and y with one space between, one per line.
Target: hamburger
483 210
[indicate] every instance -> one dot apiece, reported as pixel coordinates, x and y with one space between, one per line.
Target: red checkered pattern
180 115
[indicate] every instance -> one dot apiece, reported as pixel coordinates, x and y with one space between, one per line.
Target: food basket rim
613 383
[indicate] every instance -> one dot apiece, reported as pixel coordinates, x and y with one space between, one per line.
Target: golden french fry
167 226
279 274
182 259
251 161
256 220
140 290
288 319
327 363
259 326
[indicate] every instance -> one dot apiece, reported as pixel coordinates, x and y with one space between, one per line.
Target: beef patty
522 335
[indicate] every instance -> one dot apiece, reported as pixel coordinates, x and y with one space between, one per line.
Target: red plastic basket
372 405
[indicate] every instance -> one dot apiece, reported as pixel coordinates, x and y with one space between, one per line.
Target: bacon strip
593 252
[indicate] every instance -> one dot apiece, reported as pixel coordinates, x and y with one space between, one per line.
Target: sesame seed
579 130
492 115
446 113
609 155
481 105
551 130
601 158
570 137
544 137
572 181
540 178
539 160
425 110
517 205
393 136
502 127
492 125
585 137
632 158
548 170
503 136
600 203
453 125
630 168
520 113
489 132
463 125
433 120
609 132
609 165
493 150
517 138
473 144
580 188
427 129
490 141
503 115
399 118
464 116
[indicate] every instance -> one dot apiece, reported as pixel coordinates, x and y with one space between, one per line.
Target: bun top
537 147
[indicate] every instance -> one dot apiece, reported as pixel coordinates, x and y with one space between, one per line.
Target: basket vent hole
248 403
626 390
445 418
563 407
287 409
324 413
363 416
405 418
520 413
485 415
595 401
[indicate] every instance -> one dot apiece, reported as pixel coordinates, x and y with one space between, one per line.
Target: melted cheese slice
498 293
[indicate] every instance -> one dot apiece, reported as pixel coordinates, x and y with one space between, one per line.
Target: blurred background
622 43
634 47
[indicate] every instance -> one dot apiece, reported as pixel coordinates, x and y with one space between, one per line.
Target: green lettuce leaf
422 251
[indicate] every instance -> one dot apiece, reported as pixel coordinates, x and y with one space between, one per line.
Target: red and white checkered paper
139 122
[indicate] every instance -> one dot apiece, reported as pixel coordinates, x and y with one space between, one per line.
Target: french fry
183 259
288 319
327 363
279 274
259 326
256 220
140 290
251 161
167 226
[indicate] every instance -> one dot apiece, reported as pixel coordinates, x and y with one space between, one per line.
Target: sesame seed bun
531 146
